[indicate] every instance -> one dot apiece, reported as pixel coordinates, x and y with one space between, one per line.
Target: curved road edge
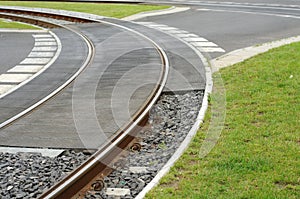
240 55
141 15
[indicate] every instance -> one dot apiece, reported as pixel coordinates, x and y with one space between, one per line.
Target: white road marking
204 44
26 68
200 43
249 12
45 44
167 28
157 25
186 35
171 10
177 32
45 48
195 39
35 61
14 78
24 31
145 23
41 54
211 50
42 36
45 39
5 88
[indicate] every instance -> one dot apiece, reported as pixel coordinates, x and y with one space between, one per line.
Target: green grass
258 153
109 10
15 25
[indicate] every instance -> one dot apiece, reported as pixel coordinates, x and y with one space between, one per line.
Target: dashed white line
35 61
156 25
187 35
204 44
25 68
197 39
45 48
45 51
45 39
45 44
200 43
167 28
42 36
41 54
211 50
178 32
14 78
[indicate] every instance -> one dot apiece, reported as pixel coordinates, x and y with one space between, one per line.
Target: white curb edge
141 15
240 55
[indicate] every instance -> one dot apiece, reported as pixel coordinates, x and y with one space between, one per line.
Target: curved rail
47 25
97 164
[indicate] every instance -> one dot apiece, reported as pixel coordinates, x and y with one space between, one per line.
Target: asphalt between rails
51 124
59 129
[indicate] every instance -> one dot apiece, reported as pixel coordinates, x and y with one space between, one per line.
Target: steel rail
43 23
98 162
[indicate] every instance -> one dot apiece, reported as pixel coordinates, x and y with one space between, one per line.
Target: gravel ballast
27 175
169 122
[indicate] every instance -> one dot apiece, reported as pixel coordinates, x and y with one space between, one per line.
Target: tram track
93 170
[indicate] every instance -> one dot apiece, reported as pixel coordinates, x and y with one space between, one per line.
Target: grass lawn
15 25
258 153
109 10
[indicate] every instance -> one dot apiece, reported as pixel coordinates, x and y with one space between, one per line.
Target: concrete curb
171 10
246 53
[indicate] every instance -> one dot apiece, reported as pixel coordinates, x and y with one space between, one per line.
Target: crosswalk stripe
41 54
195 39
167 28
26 68
204 44
211 50
5 88
45 39
35 61
42 36
45 48
186 35
45 44
14 78
200 43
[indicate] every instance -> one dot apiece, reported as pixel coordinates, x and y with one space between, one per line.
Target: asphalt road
230 26
14 47
233 27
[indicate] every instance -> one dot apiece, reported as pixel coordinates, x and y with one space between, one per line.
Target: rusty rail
90 173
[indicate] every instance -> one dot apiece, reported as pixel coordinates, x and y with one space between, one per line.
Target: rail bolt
98 185
136 147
